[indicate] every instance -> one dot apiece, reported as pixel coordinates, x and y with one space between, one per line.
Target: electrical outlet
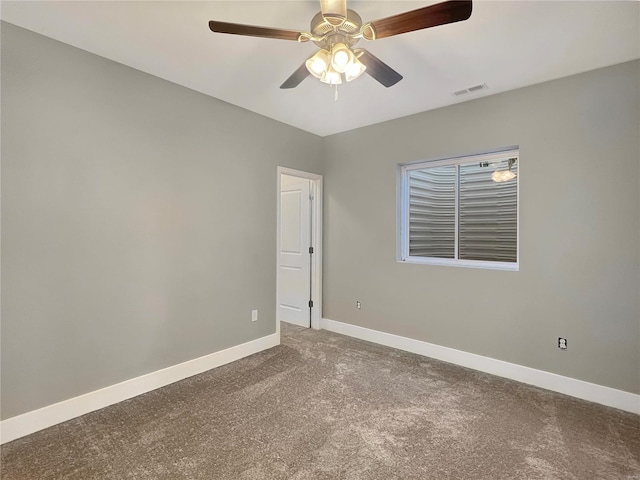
358 305
254 315
562 343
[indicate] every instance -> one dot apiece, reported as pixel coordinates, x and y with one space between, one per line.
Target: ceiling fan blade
296 77
426 17
379 70
251 31
334 11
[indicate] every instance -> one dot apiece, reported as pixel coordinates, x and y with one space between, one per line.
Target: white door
294 262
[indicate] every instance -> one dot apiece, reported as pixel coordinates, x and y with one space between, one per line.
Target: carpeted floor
325 406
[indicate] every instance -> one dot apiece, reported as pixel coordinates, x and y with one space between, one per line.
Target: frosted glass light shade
319 64
341 57
354 70
331 77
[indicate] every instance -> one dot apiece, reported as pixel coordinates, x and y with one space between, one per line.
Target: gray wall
138 221
138 225
579 230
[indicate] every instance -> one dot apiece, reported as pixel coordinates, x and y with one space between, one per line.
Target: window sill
514 267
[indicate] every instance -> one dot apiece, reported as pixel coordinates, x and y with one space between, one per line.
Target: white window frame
402 253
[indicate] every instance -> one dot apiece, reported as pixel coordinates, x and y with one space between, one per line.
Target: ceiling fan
336 29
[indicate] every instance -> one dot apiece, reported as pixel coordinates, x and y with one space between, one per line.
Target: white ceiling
505 44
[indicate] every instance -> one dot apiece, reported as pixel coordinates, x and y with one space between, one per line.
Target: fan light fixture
330 66
504 175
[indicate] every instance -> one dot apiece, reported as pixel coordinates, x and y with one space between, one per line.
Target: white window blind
487 214
455 213
432 212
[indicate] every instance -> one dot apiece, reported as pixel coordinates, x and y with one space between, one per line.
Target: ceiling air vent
474 88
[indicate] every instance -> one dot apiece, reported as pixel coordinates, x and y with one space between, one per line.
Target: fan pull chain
335 95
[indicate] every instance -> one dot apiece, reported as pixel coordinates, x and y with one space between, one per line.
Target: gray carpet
325 406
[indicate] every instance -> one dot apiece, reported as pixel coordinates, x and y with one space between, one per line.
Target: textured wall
138 221
579 230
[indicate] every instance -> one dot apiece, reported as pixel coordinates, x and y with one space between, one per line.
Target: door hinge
310 249
310 303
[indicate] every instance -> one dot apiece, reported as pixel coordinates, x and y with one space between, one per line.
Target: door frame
316 242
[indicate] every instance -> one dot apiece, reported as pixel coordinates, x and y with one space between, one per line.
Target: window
461 211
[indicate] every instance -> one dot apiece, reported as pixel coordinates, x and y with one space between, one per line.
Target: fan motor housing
331 34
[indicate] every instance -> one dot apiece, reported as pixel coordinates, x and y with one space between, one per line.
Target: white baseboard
30 422
298 324
569 386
